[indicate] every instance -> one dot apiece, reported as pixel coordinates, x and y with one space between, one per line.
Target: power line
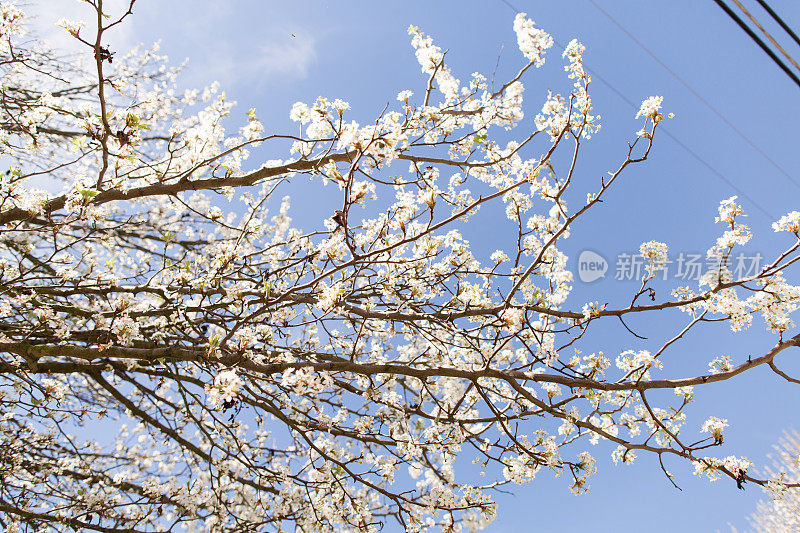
767 34
758 41
688 150
506 2
677 141
779 20
697 95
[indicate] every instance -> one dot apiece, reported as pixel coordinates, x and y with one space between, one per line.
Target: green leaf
213 341
88 194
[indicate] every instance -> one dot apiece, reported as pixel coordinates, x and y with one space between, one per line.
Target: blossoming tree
258 377
782 512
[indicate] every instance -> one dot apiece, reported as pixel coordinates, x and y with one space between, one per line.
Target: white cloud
279 55
293 58
225 44
42 17
215 38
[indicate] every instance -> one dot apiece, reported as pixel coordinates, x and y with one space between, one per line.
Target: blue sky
269 54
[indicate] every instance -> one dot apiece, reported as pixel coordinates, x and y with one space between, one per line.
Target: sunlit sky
268 54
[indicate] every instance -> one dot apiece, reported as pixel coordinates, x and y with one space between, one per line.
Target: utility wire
767 34
779 20
677 141
698 96
758 41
